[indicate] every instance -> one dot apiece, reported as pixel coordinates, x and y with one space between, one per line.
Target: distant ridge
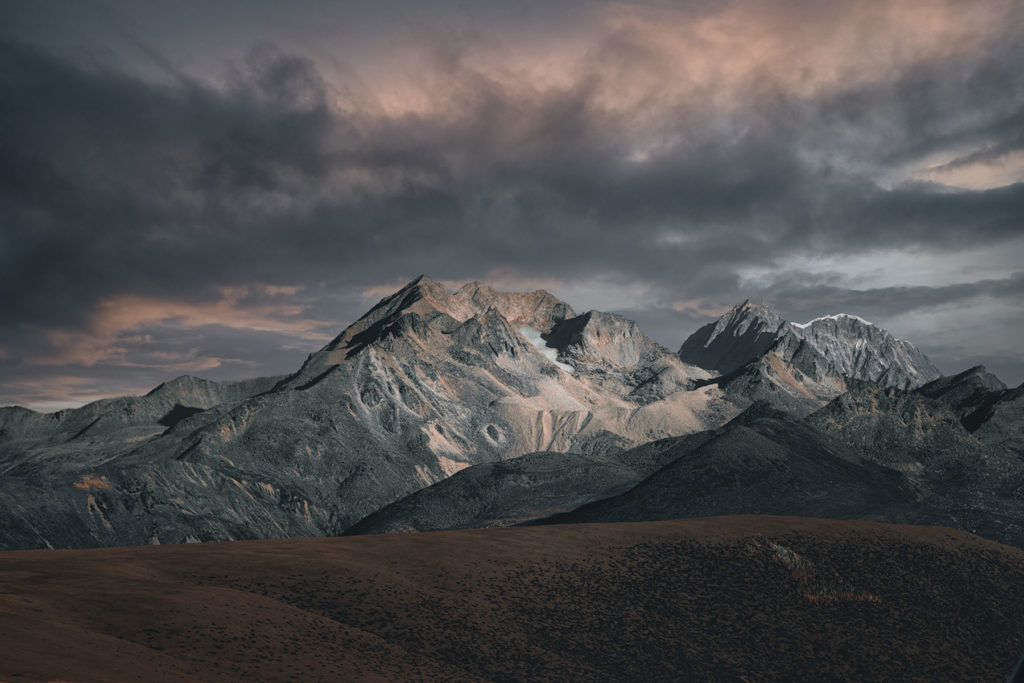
850 346
432 383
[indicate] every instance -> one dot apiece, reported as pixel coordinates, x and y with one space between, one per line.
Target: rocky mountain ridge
425 384
842 345
428 382
875 453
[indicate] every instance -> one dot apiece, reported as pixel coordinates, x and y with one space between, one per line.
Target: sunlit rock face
426 384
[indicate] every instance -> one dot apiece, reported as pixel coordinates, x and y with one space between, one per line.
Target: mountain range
441 409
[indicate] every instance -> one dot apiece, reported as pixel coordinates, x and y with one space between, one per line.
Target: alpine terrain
472 408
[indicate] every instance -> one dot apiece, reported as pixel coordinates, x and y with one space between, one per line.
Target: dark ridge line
178 413
84 430
316 380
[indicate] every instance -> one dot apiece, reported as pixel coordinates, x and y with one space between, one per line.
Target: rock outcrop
430 383
427 383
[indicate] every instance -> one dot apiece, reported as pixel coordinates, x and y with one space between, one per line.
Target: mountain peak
423 296
602 339
981 373
474 287
746 331
423 307
177 383
427 288
537 309
851 346
752 306
859 349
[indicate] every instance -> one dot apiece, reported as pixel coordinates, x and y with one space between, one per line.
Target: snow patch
533 336
837 316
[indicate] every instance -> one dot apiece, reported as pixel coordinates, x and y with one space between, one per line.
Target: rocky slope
978 485
427 383
872 453
791 375
103 429
986 408
857 349
761 356
1003 426
969 394
505 493
763 462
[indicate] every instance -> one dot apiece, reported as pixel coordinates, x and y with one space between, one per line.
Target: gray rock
859 350
504 493
845 346
746 332
764 463
427 383
872 453
431 383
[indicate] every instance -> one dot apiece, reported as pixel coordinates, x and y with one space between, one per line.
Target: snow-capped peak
850 345
836 316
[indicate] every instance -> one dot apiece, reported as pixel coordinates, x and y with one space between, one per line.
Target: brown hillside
730 598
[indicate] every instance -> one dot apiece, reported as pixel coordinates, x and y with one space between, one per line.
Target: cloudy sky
218 188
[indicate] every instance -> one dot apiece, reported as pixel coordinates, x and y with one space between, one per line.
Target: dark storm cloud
109 184
631 164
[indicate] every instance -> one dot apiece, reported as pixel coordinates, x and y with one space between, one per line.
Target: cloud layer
661 160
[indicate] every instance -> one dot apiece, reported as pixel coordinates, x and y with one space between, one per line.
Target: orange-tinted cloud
57 392
980 174
649 61
738 49
108 337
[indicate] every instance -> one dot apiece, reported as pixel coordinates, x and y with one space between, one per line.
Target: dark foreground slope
734 598
505 493
877 454
761 464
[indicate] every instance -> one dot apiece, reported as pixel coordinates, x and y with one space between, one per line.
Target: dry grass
91 481
733 598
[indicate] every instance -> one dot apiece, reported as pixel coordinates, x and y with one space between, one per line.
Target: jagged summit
538 309
425 308
430 382
747 331
422 296
753 306
858 349
431 300
596 338
849 345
